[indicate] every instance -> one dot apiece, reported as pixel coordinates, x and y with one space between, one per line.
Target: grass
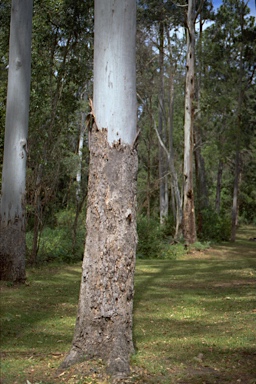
194 321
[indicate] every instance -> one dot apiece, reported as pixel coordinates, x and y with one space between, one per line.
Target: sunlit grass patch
203 307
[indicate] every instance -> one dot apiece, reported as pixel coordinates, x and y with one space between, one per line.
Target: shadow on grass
41 314
204 306
182 309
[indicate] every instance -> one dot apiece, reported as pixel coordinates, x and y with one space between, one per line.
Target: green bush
198 246
172 251
154 240
150 238
57 244
215 227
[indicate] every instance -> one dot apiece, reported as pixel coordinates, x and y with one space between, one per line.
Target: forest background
224 131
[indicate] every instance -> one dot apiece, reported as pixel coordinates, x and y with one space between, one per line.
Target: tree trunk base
74 356
12 254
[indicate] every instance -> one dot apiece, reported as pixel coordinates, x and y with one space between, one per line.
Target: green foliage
60 243
172 251
215 227
198 246
154 240
150 237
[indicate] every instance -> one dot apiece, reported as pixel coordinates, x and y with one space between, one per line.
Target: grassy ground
194 321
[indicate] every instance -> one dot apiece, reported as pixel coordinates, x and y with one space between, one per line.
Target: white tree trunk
104 321
114 95
189 227
80 152
12 215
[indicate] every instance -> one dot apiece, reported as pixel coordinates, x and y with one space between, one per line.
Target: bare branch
199 8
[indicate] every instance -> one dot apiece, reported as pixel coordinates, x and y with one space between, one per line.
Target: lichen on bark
104 321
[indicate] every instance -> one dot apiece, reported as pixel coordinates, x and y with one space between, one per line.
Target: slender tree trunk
12 214
235 207
218 187
80 197
104 321
189 226
149 161
80 151
176 198
163 179
201 180
37 215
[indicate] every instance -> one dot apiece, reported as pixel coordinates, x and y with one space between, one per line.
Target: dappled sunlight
193 319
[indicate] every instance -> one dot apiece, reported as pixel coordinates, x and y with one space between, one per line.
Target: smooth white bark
115 104
17 111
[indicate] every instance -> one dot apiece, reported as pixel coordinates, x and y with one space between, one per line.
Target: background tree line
224 110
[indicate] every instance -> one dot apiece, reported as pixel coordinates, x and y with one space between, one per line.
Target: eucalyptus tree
205 13
104 321
242 10
148 189
13 197
156 21
189 223
62 52
229 81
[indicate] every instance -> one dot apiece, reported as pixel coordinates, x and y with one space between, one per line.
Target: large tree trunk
104 321
189 226
12 214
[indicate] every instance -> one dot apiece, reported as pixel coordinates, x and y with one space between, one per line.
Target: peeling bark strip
104 321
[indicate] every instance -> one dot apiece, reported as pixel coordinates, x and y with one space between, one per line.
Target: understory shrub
215 227
150 237
172 251
154 240
58 243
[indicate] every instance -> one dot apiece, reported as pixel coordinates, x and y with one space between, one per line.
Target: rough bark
189 226
12 207
104 320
